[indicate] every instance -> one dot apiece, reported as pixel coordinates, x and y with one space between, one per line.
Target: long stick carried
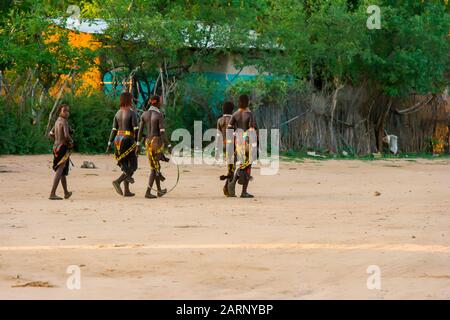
58 98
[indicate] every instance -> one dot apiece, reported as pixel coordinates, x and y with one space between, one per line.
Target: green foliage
150 35
18 133
90 117
329 40
195 100
30 41
299 156
263 90
410 52
294 42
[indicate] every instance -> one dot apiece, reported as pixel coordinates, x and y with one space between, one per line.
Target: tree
161 40
327 43
36 54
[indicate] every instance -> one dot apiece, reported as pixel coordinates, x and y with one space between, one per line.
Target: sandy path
312 232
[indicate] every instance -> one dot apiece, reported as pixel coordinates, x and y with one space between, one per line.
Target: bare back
222 125
154 121
125 119
243 119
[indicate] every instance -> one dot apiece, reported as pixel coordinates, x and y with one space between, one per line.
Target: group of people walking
128 132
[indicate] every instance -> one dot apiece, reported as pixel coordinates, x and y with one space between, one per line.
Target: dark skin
152 124
244 120
222 126
126 120
61 134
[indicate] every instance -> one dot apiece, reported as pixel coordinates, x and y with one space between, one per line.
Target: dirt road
312 231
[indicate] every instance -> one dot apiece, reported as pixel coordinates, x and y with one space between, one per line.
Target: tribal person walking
244 124
152 123
228 147
61 152
123 134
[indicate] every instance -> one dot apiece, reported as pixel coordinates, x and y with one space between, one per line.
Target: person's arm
66 132
51 134
232 123
139 135
113 133
134 122
255 128
218 137
162 131
219 130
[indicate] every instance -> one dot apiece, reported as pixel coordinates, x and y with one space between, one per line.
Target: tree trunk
333 142
379 129
58 98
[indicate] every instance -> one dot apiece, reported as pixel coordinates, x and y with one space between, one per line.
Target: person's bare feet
225 191
150 196
246 195
67 194
162 192
54 197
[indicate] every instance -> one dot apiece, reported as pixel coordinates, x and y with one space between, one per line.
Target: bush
90 117
197 98
18 134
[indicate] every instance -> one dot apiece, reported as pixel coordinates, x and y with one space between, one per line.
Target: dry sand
311 232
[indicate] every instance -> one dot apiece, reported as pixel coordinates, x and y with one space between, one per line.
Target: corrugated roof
94 26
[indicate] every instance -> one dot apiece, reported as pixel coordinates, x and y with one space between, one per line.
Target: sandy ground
311 232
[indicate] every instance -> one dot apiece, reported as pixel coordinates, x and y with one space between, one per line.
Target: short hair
62 106
126 99
243 101
155 99
228 107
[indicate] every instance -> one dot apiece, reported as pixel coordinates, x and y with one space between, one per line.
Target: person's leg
156 169
232 185
67 193
161 192
228 177
127 192
56 180
247 173
225 188
132 167
159 177
245 186
116 183
151 180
